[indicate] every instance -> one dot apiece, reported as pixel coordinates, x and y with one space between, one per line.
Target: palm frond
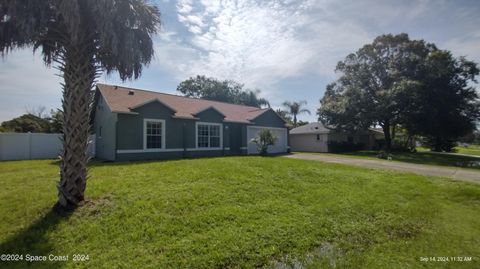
304 110
23 23
124 38
119 33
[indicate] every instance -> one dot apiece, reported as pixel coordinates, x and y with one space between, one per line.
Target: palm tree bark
79 75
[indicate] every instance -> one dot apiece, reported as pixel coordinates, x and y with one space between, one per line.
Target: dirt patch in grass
404 231
96 206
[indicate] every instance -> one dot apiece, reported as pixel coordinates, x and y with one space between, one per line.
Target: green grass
470 150
240 212
420 157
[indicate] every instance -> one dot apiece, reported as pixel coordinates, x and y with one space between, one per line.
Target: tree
301 123
56 121
294 109
225 91
285 115
376 85
27 123
52 123
264 139
445 107
82 38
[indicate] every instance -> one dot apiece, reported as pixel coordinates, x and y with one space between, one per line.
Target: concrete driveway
422 169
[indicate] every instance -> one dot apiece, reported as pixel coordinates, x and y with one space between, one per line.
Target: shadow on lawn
33 241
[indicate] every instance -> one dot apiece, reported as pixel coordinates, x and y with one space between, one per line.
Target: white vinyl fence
28 146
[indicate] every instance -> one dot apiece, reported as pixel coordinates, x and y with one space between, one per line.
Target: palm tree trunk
79 75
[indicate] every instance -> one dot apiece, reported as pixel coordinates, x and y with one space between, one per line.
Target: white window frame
209 124
145 134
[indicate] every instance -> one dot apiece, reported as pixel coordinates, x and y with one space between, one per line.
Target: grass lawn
420 157
240 212
471 150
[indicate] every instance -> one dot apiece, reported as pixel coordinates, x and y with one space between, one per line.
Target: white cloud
184 6
260 42
467 45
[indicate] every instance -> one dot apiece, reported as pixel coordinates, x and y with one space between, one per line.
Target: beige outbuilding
315 137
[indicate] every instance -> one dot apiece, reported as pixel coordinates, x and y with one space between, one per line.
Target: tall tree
82 38
445 107
375 85
221 90
295 108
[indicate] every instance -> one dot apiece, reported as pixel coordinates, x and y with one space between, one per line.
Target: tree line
35 121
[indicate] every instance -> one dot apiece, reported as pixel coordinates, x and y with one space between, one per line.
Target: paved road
430 170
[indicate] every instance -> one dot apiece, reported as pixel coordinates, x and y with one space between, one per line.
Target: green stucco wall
104 128
269 119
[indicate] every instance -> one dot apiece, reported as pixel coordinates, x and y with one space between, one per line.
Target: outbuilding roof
311 128
123 100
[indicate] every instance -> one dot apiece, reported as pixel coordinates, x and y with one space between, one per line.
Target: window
209 135
318 137
154 134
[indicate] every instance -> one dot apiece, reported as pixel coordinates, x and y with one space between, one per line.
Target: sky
288 49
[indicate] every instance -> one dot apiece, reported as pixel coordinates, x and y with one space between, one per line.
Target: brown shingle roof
120 101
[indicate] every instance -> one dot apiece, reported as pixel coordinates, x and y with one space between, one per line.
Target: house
315 137
134 124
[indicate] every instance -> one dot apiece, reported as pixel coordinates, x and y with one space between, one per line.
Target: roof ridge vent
131 92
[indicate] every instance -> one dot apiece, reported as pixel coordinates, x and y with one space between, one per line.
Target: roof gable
268 110
207 109
269 117
152 101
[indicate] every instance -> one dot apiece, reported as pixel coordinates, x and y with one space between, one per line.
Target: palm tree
295 108
81 38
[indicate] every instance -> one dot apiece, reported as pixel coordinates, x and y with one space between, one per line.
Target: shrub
264 139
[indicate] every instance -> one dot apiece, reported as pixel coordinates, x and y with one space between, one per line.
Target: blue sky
288 49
